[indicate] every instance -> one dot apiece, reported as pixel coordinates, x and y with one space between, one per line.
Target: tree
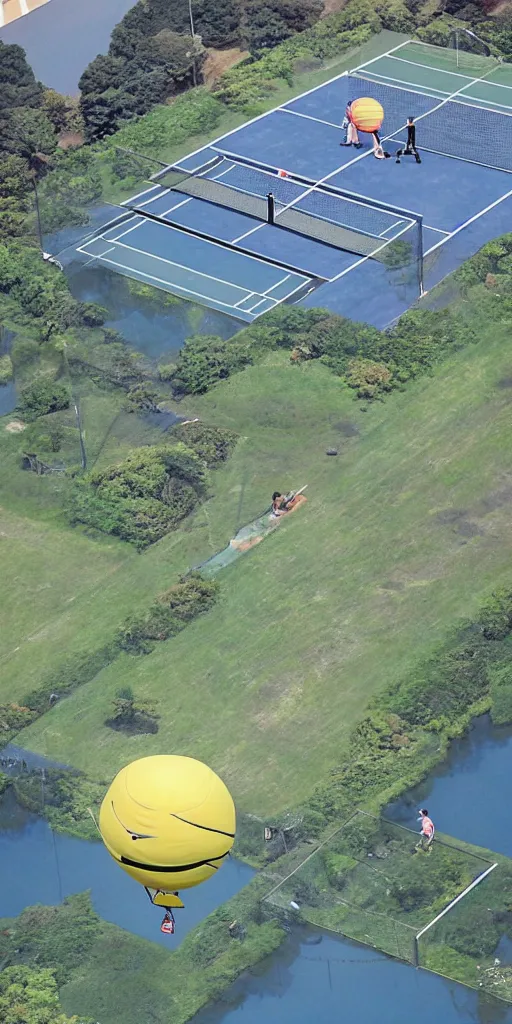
103 73
14 181
18 86
62 111
270 23
147 19
175 53
10 270
218 21
28 131
30 996
103 112
42 396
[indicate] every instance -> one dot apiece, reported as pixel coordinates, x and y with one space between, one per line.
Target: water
339 981
313 976
7 398
155 324
469 795
62 38
335 979
44 867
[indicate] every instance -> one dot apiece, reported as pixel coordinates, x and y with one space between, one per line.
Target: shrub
212 444
143 497
206 359
190 597
394 15
43 396
5 369
500 677
496 615
24 351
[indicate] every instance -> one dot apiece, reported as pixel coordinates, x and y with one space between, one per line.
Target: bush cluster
369 361
143 497
183 602
213 445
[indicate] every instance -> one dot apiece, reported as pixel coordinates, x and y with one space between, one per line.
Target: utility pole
38 214
193 34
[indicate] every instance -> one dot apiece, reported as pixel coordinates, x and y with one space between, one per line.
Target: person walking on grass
427 831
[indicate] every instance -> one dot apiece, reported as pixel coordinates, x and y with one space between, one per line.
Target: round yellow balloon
367 114
169 821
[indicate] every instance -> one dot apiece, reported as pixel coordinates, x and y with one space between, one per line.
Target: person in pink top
427 830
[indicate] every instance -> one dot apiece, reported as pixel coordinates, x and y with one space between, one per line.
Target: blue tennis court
361 236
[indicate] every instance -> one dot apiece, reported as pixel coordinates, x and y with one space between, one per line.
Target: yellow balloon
168 821
367 114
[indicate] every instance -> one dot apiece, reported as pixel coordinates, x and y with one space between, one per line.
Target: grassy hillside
402 533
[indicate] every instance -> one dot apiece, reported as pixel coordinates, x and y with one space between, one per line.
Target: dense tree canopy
18 86
29 996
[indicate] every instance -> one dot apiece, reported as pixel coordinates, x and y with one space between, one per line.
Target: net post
421 279
476 881
271 208
415 952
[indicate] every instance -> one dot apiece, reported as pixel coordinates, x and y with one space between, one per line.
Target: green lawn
402 534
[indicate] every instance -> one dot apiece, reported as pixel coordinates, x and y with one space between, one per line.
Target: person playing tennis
351 136
410 147
378 151
427 830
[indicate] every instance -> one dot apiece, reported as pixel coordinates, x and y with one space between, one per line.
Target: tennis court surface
277 211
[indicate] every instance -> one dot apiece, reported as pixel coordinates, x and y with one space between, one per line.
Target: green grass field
402 534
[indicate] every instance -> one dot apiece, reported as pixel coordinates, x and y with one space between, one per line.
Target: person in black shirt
410 147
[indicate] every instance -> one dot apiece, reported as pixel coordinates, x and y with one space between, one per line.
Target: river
44 867
317 978
313 976
61 38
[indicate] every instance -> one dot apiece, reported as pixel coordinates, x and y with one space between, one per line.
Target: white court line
95 257
168 191
447 99
173 263
444 71
335 78
428 227
401 87
179 287
250 232
289 294
428 67
370 257
206 241
283 279
143 193
249 295
297 113
466 224
390 228
260 303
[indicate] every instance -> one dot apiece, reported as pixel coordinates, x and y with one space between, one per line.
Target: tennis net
323 213
451 126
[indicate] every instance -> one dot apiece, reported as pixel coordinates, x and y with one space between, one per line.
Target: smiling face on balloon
169 821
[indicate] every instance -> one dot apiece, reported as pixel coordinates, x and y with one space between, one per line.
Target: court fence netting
447 909
321 215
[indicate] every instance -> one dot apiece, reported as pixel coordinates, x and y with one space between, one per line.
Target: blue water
61 38
44 867
469 796
337 981
313 977
151 324
7 398
317 978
